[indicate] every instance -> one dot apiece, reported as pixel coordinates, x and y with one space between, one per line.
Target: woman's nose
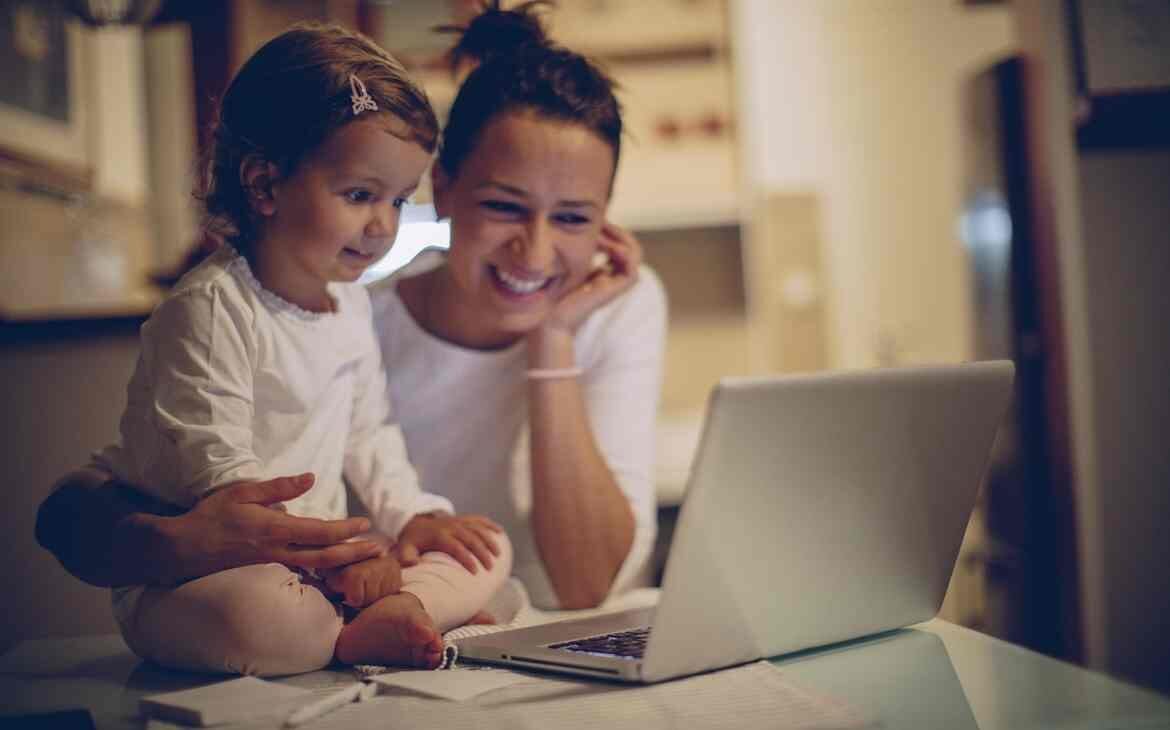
534 248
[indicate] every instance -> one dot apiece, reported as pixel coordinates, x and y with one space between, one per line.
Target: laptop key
631 643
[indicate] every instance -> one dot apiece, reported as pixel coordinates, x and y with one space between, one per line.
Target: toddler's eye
359 196
399 202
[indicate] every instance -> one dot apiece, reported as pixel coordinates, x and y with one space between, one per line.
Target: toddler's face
337 213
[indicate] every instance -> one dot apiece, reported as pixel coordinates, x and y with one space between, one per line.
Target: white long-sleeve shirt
235 383
464 414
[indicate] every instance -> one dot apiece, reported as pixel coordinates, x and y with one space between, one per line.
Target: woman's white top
464 414
235 383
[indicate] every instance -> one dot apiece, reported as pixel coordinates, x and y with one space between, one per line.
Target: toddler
263 361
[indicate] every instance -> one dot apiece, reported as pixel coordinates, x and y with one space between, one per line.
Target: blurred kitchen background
819 183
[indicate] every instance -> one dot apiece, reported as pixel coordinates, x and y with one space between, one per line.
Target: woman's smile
519 286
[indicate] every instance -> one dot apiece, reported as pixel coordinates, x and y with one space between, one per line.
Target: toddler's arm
463 537
188 422
376 462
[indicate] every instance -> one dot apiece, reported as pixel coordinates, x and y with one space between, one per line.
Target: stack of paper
235 701
459 685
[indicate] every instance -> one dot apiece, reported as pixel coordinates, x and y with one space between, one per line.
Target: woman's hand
463 537
602 285
238 525
363 583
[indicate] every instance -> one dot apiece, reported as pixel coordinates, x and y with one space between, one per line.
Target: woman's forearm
106 533
109 534
582 522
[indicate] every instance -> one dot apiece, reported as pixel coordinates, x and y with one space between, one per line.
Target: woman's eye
501 206
571 219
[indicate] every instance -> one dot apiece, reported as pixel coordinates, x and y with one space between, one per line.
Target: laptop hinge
574 667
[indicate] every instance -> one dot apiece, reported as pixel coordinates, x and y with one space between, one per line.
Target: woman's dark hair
520 70
495 32
285 102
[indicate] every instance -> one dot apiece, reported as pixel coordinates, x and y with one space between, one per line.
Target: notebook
821 508
233 701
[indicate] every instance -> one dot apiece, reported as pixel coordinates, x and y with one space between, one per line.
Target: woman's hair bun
496 32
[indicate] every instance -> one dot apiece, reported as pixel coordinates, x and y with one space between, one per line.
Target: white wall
170 124
858 101
117 120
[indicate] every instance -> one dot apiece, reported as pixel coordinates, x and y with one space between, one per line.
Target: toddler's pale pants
265 620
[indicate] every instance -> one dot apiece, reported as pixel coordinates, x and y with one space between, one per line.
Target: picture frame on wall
1121 69
1123 46
43 116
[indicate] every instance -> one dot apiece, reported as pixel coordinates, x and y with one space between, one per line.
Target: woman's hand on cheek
603 284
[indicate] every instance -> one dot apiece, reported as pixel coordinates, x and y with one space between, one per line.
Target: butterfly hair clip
362 101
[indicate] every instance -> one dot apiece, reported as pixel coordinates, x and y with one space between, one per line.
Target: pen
340 698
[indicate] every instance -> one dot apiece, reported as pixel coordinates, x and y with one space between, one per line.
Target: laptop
820 508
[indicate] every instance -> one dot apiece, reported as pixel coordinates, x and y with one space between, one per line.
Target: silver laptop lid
821 508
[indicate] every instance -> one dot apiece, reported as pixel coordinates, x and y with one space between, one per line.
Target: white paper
456 684
235 700
320 685
750 697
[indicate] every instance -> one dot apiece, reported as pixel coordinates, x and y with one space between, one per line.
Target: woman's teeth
517 284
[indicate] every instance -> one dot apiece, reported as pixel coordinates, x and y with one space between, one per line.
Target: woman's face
526 207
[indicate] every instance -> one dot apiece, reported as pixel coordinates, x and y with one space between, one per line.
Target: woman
525 378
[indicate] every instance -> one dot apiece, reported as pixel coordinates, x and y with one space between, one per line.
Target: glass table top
935 675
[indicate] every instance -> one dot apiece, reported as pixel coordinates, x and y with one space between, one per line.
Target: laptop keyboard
631 643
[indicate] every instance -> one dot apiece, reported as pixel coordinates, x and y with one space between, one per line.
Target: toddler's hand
363 583
463 537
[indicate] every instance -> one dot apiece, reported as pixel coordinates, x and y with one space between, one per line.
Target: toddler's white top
235 383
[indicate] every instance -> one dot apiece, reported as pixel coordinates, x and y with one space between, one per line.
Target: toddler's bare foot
394 630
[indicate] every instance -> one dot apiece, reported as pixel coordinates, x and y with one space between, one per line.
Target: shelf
622 31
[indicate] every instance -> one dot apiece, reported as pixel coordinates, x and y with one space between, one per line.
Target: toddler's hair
524 71
285 102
